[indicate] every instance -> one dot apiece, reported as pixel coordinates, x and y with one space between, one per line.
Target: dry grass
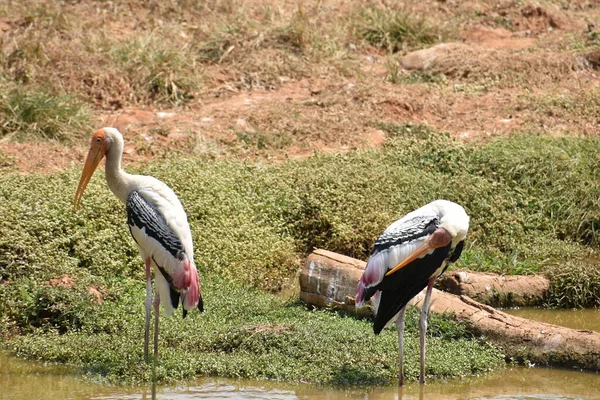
463 63
328 68
399 30
509 69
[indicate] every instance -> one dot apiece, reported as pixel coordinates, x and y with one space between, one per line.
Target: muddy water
576 319
23 380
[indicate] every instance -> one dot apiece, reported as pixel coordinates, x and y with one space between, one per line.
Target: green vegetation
533 203
574 284
6 162
250 334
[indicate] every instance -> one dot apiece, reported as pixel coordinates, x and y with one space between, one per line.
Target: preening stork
409 256
158 225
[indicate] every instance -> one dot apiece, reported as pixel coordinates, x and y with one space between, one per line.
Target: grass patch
574 284
158 72
249 334
533 202
397 30
567 107
257 139
398 76
7 163
41 115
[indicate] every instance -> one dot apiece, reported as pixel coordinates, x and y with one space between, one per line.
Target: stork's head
103 141
452 229
453 219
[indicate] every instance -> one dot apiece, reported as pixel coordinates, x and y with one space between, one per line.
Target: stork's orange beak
95 155
439 238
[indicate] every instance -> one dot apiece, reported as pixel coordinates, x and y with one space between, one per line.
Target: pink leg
148 305
423 327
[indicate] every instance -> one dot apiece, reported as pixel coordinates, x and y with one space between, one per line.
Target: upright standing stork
157 223
409 256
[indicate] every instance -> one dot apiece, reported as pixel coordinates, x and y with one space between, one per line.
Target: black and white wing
394 245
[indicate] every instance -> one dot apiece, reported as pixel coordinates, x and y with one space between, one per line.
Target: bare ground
517 67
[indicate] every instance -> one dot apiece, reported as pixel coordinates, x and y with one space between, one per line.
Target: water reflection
513 383
576 319
21 380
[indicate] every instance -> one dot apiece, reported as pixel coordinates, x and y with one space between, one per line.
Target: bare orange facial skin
95 155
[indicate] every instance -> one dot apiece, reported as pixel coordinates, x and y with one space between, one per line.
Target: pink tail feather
187 281
192 294
360 293
374 273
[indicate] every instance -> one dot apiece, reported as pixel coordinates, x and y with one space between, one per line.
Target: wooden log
496 290
520 338
329 279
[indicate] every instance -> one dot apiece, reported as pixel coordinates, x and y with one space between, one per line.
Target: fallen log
329 279
519 338
496 290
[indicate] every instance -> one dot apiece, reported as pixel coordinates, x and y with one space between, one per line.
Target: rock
593 57
427 58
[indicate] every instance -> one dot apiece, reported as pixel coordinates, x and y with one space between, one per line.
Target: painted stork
409 256
158 225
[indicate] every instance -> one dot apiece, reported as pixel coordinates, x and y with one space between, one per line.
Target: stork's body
409 255
159 226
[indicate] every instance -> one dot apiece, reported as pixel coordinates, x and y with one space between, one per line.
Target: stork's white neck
118 180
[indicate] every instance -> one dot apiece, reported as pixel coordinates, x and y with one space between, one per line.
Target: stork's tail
361 293
191 297
370 279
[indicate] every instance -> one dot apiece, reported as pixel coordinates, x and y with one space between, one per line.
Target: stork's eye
98 140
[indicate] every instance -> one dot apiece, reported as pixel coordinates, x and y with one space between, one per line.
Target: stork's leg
400 329
148 305
423 327
156 312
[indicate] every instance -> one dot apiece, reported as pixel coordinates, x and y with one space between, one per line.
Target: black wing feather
398 288
142 214
457 252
